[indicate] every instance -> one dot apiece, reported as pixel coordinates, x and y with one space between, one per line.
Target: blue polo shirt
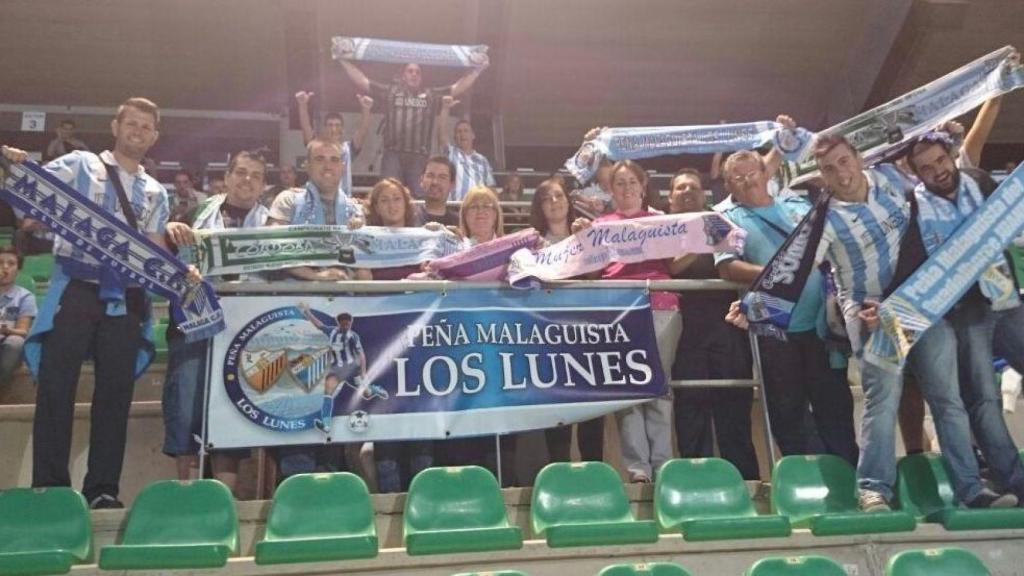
767 228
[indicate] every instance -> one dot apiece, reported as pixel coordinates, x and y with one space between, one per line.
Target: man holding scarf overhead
91 312
946 196
860 226
409 113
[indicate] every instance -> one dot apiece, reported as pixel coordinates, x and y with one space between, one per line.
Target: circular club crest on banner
275 366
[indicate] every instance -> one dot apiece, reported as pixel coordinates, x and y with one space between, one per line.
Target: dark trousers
709 349
81 327
589 440
797 373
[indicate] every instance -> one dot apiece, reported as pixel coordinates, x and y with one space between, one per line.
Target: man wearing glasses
796 371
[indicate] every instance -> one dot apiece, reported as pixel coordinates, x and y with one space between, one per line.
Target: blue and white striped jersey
862 239
470 170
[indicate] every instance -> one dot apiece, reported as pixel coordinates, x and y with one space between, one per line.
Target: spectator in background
17 310
437 182
645 430
409 113
333 131
186 198
217 186
471 167
551 216
65 142
709 349
286 179
512 191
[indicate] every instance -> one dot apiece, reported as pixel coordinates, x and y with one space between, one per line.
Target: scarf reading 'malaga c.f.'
396 52
126 253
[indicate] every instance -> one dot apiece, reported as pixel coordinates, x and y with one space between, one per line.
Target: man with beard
946 196
437 182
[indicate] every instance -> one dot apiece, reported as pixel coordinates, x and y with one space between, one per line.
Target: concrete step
22 389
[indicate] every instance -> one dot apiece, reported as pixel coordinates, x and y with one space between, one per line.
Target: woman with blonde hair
480 219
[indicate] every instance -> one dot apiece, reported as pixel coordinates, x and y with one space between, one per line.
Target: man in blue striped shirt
472 168
868 217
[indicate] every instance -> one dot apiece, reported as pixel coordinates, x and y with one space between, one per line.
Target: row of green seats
929 562
324 517
160 339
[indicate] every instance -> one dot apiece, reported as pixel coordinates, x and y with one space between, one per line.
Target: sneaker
374 391
105 502
871 501
319 425
989 499
639 478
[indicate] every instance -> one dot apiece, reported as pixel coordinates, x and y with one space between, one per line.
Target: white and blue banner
465 363
650 142
244 250
397 52
938 284
877 132
119 248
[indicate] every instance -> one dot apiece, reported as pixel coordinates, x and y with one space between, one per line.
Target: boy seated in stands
17 310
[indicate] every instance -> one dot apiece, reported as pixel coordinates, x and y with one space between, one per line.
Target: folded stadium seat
936 562
926 492
39 266
585 504
820 493
319 517
706 499
43 530
649 569
175 524
26 281
457 509
795 566
160 339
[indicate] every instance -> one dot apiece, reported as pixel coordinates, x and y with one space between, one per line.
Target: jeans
975 323
10 356
933 360
406 167
183 396
1008 342
399 462
797 373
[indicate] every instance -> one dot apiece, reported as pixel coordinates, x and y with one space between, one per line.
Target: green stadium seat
319 518
160 342
457 509
706 499
926 492
820 493
648 569
43 530
795 566
936 562
585 504
495 573
39 266
26 281
174 525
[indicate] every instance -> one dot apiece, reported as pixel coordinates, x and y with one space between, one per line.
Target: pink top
646 270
